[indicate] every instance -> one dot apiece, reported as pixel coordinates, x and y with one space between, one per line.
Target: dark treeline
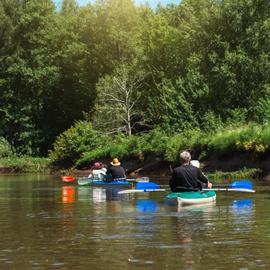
129 68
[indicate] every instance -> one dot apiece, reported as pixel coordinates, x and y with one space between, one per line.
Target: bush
187 140
5 148
25 164
81 144
80 138
117 146
211 122
248 138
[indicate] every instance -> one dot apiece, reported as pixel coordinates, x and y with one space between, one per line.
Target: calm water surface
45 225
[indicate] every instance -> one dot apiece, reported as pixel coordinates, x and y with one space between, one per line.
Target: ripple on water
121 236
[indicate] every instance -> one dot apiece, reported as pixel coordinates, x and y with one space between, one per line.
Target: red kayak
68 178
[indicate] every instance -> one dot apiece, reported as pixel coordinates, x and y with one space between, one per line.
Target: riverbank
24 164
231 149
239 166
236 165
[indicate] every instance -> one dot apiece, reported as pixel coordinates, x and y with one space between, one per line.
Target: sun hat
195 163
115 162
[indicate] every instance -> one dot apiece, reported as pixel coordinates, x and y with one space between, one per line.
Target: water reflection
242 214
68 194
106 194
147 206
205 207
84 193
242 206
99 195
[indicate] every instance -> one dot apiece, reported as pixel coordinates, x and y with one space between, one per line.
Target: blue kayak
96 182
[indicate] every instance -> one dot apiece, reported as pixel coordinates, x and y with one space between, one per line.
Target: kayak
193 197
96 182
68 179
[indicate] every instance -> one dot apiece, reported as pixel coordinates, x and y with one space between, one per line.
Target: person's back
187 177
99 174
98 171
116 171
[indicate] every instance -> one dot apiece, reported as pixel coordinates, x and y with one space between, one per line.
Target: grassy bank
24 164
80 148
251 142
218 176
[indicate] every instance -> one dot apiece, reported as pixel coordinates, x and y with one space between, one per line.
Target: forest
116 79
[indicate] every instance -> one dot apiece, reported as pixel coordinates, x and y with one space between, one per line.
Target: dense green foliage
78 139
5 148
187 71
81 144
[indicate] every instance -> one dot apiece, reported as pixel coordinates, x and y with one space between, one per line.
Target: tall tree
27 71
118 98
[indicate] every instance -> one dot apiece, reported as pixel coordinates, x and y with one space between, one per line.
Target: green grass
245 173
251 139
25 164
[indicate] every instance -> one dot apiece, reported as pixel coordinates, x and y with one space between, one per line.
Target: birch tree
118 97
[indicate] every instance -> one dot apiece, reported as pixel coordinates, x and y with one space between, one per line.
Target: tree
118 98
25 71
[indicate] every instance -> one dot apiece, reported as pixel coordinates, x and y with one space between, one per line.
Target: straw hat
115 162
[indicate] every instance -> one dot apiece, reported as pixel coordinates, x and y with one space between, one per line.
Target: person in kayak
98 171
188 177
116 171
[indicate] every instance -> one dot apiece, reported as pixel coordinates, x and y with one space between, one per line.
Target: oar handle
220 186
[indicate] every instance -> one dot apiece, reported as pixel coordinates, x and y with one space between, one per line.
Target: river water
47 225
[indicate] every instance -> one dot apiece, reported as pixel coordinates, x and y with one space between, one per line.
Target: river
47 225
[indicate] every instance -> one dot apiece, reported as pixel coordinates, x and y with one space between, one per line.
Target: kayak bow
97 182
193 197
68 178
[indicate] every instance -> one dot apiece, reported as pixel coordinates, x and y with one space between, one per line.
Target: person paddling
116 171
188 177
98 171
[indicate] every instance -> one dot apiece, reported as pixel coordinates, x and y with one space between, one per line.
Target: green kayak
193 197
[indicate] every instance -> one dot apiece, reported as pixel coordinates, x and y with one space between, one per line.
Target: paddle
240 186
143 187
84 181
139 179
237 184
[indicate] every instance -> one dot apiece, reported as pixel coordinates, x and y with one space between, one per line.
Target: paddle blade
241 184
147 185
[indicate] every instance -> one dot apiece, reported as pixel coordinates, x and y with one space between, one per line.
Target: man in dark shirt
188 177
116 171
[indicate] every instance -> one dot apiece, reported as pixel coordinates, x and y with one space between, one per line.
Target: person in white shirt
98 172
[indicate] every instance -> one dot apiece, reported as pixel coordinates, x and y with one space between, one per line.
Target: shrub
73 142
187 140
248 138
25 164
5 148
